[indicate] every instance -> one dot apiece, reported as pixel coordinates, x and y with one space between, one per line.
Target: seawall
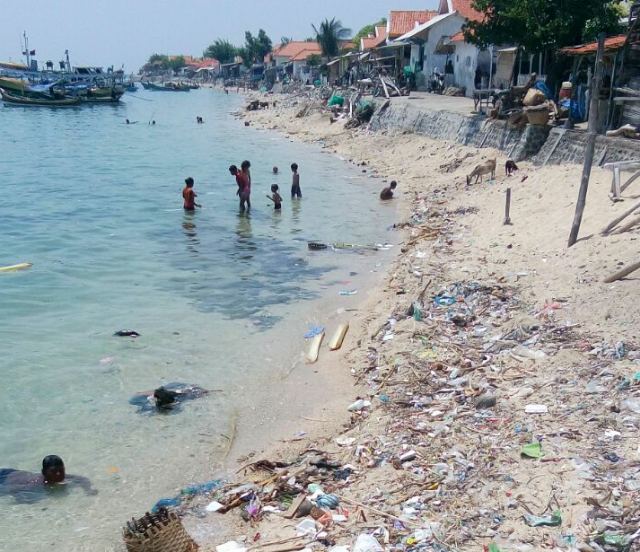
541 144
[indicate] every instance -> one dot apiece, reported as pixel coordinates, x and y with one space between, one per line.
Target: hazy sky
100 32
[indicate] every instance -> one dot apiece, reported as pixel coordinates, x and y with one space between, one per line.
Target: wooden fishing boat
31 101
167 87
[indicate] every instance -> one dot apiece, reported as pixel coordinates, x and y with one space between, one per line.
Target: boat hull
26 101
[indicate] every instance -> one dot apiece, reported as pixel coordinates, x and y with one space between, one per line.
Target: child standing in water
295 183
189 196
275 197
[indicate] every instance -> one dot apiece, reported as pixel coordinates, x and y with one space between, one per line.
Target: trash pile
486 420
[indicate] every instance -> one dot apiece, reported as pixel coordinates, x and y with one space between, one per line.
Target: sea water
219 298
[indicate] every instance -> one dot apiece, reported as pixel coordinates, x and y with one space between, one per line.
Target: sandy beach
499 373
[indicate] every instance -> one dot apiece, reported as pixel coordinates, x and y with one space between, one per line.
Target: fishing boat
85 84
166 87
37 101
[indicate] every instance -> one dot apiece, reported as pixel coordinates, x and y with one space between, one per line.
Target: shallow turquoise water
95 205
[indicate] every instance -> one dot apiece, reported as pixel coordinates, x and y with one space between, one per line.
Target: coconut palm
329 35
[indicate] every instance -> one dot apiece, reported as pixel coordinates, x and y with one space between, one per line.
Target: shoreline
429 451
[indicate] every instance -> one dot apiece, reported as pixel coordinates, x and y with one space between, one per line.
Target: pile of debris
486 422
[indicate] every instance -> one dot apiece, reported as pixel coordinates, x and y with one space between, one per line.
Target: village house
292 58
437 45
378 38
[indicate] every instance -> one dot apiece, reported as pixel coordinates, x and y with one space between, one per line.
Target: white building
438 45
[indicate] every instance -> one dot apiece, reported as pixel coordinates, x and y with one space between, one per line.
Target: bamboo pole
596 84
619 219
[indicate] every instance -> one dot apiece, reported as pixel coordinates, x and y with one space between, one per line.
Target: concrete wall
541 144
471 130
567 146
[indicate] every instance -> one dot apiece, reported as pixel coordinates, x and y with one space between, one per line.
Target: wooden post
596 84
507 208
621 274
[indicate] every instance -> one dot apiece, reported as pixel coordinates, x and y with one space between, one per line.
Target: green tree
329 35
176 63
284 40
256 47
246 56
368 30
222 50
159 61
539 25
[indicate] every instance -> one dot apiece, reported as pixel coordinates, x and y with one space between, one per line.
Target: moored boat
166 87
33 101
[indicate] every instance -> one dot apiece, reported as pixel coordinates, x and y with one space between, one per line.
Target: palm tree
329 35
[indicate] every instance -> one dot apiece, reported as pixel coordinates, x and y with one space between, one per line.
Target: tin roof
611 44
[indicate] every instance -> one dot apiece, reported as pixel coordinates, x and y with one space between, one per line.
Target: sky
117 32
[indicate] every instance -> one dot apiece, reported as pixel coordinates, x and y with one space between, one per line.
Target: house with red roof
436 46
401 22
293 57
471 66
378 38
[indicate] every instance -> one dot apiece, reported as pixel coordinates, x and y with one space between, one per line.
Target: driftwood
384 87
622 273
606 231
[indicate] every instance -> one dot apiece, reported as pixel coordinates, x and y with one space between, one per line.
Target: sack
534 97
161 532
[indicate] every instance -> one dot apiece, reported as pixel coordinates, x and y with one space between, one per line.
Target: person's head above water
233 170
393 185
246 165
164 398
294 167
274 188
189 182
275 170
53 469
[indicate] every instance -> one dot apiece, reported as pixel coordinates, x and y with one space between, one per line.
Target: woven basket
161 532
538 115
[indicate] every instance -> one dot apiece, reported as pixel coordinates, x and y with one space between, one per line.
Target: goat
510 167
488 167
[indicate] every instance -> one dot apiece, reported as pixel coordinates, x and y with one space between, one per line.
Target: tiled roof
610 44
204 62
295 47
465 9
401 22
374 41
305 54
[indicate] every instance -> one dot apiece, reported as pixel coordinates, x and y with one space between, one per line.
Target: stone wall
471 130
543 145
567 146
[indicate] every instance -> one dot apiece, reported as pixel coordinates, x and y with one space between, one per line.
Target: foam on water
219 298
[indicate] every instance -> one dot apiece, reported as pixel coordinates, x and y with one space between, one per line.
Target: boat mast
26 49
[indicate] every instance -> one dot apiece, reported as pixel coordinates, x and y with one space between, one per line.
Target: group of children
243 180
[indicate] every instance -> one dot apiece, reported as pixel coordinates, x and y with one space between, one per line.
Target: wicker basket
538 115
161 532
